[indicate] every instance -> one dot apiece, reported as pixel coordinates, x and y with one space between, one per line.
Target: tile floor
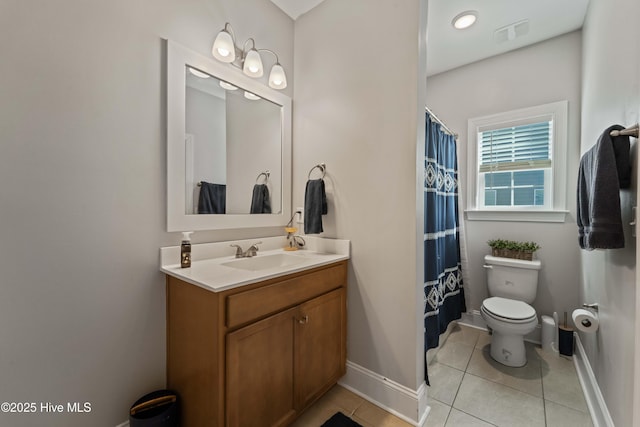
470 389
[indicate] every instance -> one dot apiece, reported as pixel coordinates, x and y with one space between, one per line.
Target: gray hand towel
599 216
260 201
315 205
213 198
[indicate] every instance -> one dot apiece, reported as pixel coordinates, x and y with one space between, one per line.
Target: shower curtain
443 291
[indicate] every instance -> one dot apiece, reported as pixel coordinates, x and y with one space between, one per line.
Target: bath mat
340 420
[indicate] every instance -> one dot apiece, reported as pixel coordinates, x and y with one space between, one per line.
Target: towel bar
321 166
630 131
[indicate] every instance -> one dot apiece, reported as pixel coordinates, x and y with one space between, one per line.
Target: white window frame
555 207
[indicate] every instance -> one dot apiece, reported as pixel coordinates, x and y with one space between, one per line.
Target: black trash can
159 408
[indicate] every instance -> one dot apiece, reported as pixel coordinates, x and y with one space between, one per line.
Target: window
517 165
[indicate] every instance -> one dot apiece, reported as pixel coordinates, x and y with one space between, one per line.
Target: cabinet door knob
304 320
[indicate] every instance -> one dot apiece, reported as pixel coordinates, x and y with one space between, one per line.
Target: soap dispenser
185 250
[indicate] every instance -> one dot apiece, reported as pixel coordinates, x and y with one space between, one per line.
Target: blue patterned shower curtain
443 291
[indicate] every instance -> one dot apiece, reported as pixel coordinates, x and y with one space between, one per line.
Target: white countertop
209 272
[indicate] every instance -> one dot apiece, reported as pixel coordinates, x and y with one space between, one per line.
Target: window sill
515 215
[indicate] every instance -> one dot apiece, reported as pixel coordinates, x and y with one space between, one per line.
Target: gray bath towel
315 205
213 198
599 216
260 200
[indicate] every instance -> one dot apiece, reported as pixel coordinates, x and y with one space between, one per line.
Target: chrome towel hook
322 167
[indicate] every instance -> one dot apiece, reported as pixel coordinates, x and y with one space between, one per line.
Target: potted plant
512 249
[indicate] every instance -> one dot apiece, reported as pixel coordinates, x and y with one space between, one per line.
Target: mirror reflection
233 150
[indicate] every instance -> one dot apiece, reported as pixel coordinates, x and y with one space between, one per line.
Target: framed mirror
228 146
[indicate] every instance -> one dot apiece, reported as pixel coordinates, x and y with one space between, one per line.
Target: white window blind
520 162
516 148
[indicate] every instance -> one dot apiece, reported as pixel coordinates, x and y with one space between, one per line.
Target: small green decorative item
512 249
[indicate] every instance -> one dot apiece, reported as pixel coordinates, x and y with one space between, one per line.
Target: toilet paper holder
593 306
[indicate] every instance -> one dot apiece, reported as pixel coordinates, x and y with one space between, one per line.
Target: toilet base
508 349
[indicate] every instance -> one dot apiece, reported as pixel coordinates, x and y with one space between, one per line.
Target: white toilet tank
512 278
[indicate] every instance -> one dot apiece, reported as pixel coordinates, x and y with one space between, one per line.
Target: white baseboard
124 424
474 319
595 402
403 402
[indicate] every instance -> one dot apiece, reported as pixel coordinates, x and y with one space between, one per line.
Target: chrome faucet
251 252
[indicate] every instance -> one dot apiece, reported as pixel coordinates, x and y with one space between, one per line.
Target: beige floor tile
526 379
561 416
317 414
378 417
484 340
464 334
454 354
563 387
556 363
498 404
438 415
460 419
444 381
342 398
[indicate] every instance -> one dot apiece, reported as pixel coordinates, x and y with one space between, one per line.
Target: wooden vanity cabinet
257 355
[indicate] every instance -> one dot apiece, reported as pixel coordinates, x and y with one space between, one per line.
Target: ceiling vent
511 31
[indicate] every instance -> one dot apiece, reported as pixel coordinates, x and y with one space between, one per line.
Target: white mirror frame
178 58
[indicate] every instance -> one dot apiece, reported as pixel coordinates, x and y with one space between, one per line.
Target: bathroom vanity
254 342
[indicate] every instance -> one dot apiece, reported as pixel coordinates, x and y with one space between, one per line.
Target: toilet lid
509 308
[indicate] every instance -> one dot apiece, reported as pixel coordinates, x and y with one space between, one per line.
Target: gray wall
611 94
357 110
82 191
539 74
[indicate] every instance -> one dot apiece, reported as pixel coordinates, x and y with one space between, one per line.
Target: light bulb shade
277 77
253 64
223 48
251 96
198 73
227 86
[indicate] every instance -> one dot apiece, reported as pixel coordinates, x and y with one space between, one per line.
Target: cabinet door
260 373
320 345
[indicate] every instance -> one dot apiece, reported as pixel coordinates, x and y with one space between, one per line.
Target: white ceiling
448 48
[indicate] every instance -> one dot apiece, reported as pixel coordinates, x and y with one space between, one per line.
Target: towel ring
322 167
266 176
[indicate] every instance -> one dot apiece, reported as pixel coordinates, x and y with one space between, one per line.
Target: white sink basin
265 262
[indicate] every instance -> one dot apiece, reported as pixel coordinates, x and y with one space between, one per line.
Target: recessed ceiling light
465 19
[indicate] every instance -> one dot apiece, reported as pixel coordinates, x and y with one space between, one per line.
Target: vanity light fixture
198 73
251 96
227 86
249 60
465 19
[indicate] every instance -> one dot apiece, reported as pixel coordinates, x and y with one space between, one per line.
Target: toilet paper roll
585 320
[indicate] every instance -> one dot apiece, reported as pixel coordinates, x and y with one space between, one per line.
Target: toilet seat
508 310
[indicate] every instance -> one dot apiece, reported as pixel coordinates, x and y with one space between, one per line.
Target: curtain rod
435 118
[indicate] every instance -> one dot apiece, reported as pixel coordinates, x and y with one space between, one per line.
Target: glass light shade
198 73
277 77
253 64
251 96
223 48
465 19
227 86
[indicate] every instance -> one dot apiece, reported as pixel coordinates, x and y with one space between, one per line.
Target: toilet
512 285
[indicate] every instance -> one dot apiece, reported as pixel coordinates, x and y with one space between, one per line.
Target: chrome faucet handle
239 251
253 249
